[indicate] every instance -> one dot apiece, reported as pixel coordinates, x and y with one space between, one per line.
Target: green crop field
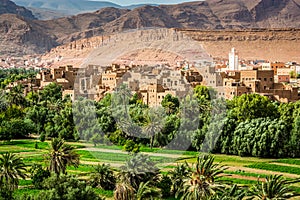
240 170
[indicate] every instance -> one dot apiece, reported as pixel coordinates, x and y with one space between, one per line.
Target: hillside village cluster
228 78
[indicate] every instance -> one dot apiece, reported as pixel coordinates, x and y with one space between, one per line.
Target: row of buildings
232 78
277 80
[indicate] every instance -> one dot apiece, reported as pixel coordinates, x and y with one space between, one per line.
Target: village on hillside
228 77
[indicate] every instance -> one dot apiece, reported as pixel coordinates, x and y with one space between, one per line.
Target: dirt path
175 156
285 164
261 171
113 164
250 178
123 152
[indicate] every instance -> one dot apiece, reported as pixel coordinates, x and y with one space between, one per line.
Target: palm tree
231 193
103 177
61 155
11 169
3 101
145 191
16 96
275 187
178 175
170 108
138 169
123 191
154 123
204 180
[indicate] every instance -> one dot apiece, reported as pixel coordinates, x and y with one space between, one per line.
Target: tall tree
61 155
154 124
123 191
12 168
139 168
103 177
16 96
275 187
146 191
170 103
252 106
204 181
52 93
178 175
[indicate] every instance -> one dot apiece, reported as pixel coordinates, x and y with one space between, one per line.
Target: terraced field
241 170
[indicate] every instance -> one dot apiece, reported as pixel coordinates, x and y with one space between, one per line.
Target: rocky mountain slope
7 6
20 36
204 15
210 14
262 44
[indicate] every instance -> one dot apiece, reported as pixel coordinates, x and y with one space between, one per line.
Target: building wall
109 80
282 78
258 80
277 65
153 94
283 75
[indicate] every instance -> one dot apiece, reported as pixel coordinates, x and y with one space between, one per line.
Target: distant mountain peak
7 6
206 15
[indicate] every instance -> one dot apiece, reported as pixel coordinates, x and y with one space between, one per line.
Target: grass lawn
275 168
245 174
98 156
238 181
289 161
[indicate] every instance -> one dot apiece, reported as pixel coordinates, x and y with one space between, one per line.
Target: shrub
131 146
165 185
103 177
38 175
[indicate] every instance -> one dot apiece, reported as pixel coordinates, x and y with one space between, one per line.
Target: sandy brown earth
270 44
266 44
261 171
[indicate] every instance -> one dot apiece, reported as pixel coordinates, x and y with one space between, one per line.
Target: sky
130 2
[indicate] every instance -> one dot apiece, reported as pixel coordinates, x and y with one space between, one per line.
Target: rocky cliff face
19 36
276 13
85 25
267 44
204 15
210 14
243 35
7 6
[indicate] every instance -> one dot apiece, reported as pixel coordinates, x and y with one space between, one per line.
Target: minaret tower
233 60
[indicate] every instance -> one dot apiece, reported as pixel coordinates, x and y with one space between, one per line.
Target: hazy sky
129 2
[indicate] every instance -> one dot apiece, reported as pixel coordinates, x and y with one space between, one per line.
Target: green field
240 170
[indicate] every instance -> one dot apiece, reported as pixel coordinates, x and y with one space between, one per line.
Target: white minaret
233 60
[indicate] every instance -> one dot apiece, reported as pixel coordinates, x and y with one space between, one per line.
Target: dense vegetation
14 74
249 125
139 178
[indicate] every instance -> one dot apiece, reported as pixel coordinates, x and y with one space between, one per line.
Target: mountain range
59 8
17 29
7 6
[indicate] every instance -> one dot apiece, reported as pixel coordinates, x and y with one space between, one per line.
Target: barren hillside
270 44
205 15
